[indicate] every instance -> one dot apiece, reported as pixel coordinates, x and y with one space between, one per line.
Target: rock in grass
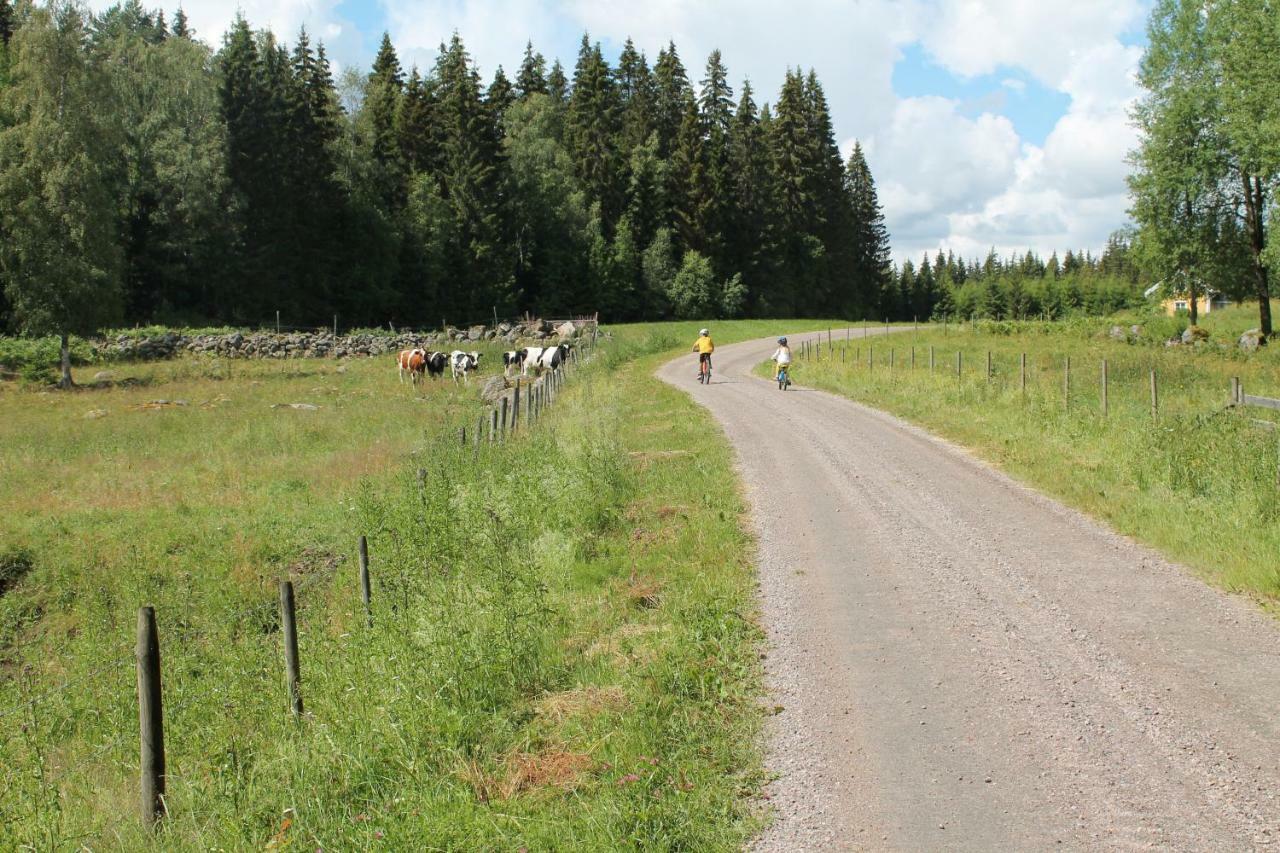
493 389
94 414
103 377
302 407
1251 340
1194 335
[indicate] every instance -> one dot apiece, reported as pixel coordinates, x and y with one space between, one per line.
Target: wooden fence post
462 434
1022 374
515 407
1106 409
479 429
913 357
493 424
931 362
289 624
1066 382
988 367
1155 397
150 718
502 420
871 356
1235 390
959 361
891 359
366 592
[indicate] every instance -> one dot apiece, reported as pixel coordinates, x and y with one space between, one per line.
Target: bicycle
704 368
784 377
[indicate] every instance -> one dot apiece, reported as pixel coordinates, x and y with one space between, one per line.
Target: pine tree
558 84
473 179
532 79
750 233
383 94
416 127
713 194
60 259
636 94
498 97
672 93
686 176
181 29
591 131
869 236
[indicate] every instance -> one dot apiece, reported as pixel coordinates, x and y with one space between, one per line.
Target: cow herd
418 362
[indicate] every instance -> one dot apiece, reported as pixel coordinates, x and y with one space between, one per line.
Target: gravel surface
963 663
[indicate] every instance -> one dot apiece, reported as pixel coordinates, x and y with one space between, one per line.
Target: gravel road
963 663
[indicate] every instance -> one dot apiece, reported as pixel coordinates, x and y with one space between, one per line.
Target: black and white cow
513 360
553 357
529 359
463 363
436 363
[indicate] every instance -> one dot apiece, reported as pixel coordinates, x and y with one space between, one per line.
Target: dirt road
963 663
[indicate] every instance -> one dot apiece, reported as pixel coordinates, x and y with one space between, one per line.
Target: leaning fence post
289 624
150 718
366 594
1105 403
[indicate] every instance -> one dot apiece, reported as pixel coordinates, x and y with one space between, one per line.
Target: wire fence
516 413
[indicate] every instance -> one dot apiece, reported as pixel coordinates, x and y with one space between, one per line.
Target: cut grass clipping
562 653
1200 481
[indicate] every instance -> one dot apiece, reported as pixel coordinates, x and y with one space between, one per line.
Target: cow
412 361
513 360
553 357
463 363
436 363
529 359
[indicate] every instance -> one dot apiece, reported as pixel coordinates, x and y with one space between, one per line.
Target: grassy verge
562 656
1199 482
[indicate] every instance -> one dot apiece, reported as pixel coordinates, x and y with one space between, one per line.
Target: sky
987 123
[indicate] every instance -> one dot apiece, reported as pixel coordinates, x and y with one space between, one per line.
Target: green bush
38 360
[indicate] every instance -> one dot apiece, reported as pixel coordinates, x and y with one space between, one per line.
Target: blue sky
987 123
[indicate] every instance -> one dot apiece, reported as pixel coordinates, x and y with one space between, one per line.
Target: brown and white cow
412 361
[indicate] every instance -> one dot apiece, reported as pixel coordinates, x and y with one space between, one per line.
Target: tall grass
1200 481
562 652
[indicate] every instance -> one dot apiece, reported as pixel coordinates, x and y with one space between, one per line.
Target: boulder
1194 335
1136 331
1117 333
103 377
1251 340
567 331
94 414
475 333
493 389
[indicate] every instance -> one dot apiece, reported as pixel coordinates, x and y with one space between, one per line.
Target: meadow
1199 481
563 651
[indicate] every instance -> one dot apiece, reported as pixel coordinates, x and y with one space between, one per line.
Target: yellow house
1205 303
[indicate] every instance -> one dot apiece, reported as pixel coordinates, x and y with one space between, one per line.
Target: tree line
1015 288
145 177
1205 172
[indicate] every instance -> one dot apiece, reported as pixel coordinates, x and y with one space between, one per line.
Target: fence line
540 394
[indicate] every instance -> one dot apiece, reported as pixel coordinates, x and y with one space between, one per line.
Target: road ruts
963 663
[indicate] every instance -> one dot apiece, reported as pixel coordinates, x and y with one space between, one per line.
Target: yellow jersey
704 345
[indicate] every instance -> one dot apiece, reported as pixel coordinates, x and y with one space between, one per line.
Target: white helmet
705 332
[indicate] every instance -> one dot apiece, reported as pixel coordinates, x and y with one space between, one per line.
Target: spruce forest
147 178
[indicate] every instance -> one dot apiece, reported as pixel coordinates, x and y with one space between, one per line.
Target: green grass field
1201 482
563 652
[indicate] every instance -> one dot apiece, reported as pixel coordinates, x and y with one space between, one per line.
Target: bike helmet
705 332
782 341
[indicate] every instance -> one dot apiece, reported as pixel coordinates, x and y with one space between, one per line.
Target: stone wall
321 344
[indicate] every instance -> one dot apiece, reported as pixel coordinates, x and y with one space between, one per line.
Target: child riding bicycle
782 362
704 347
